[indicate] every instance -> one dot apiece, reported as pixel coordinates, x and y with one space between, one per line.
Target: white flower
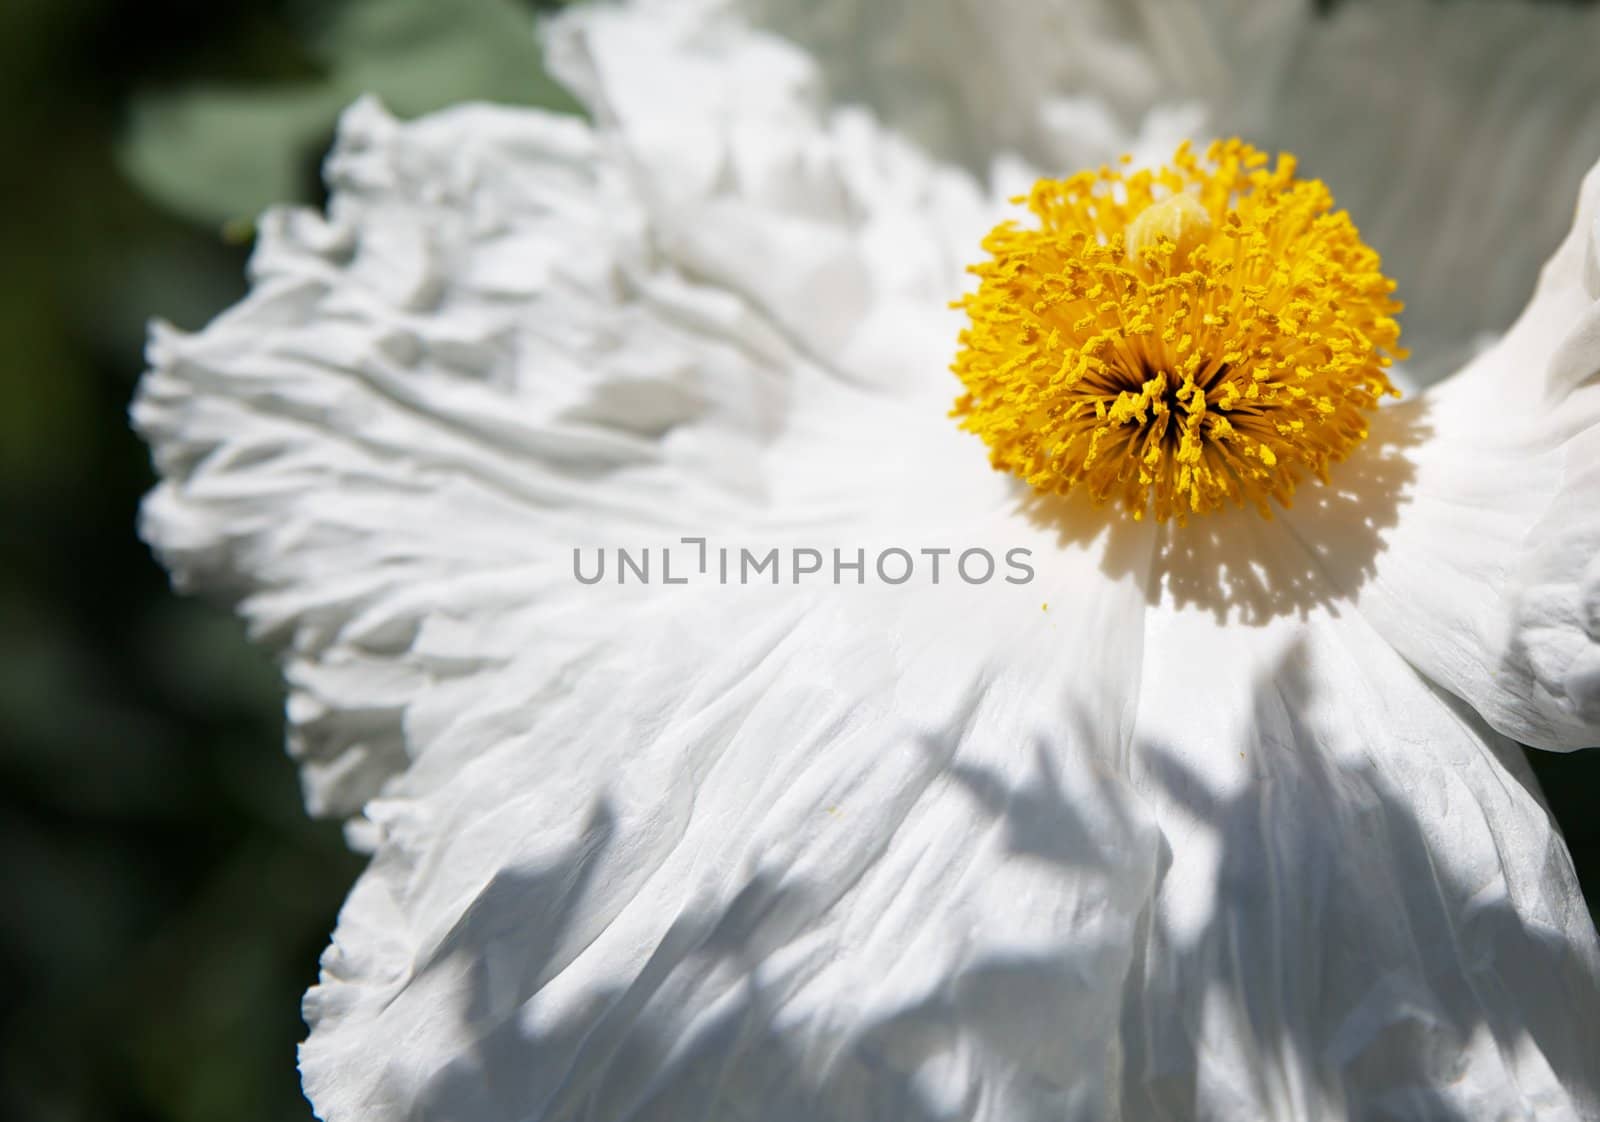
1220 821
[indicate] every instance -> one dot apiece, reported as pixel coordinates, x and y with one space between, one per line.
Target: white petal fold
845 237
1488 579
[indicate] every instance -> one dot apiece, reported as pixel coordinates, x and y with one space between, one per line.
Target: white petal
1487 579
920 853
847 238
1364 911
1454 134
839 855
475 357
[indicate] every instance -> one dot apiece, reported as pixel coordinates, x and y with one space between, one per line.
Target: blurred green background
169 897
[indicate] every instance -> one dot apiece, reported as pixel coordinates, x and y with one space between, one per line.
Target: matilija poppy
596 481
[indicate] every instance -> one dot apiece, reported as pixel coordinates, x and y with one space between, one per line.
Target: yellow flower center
1177 340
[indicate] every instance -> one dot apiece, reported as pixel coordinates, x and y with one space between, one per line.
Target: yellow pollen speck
1180 340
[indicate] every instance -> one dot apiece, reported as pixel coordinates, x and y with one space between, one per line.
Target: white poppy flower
1223 820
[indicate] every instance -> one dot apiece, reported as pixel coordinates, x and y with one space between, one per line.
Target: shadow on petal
1234 563
1344 954
1038 819
1347 961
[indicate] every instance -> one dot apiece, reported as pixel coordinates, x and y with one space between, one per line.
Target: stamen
1177 341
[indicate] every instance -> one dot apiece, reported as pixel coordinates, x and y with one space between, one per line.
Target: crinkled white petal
1169 832
871 859
1487 579
474 356
1456 134
842 235
792 856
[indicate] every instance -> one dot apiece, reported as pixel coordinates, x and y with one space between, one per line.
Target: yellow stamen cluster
1177 340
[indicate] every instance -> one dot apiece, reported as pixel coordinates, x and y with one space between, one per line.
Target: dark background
166 896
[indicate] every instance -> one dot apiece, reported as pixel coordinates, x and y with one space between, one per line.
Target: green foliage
221 152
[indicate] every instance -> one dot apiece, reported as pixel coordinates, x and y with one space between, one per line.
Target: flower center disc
1178 340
